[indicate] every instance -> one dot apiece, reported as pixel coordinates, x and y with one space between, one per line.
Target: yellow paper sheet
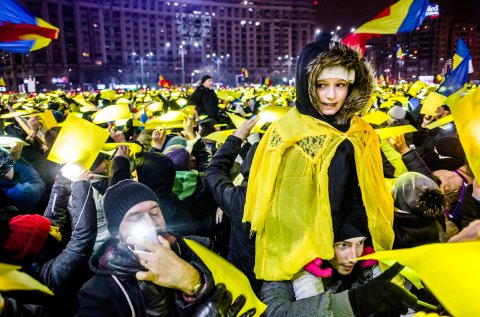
220 136
455 286
466 115
13 280
393 131
432 102
439 123
377 117
78 142
112 113
224 272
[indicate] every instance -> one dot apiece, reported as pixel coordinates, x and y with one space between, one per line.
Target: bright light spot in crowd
71 171
352 30
317 31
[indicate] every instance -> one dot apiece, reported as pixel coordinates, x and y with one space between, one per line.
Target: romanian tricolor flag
244 72
266 81
400 54
461 53
162 82
401 17
20 31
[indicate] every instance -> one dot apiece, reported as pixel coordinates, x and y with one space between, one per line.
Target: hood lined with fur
317 56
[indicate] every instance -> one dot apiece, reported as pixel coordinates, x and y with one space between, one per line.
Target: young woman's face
332 93
345 253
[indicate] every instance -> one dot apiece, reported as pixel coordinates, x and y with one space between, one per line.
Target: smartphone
139 232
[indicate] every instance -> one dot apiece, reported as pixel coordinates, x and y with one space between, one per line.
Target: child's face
332 93
345 253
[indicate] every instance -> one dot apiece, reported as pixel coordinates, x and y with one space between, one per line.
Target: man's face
101 169
345 253
141 220
208 83
441 112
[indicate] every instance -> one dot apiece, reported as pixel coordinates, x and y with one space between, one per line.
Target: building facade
134 41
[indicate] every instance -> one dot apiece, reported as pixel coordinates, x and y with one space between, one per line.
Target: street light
142 63
182 52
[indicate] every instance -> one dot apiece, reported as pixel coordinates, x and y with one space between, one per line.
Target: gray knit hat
120 198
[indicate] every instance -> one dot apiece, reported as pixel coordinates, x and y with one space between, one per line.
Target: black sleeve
57 208
120 169
414 163
202 156
15 308
470 209
59 272
230 198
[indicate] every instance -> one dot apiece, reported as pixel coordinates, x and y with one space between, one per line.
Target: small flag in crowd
2 82
459 75
401 17
20 31
266 81
400 54
462 53
244 72
162 82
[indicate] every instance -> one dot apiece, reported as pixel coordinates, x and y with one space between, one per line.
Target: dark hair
207 128
51 136
181 159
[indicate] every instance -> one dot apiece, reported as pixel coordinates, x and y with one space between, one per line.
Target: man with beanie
142 270
205 99
340 286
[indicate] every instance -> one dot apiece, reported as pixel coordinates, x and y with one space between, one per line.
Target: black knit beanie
205 78
120 198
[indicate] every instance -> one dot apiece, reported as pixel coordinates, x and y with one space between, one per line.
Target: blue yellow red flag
20 31
401 17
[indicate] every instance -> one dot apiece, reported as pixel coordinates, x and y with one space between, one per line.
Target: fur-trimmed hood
319 55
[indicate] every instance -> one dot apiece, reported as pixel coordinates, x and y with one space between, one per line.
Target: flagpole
410 41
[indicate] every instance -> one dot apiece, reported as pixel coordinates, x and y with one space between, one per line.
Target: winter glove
314 268
220 304
381 296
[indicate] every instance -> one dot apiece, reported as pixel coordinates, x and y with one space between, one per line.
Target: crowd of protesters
291 207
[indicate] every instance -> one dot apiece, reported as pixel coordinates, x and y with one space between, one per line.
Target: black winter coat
115 292
205 101
231 199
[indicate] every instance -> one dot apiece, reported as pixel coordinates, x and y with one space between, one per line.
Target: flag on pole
20 31
456 80
244 72
461 53
266 81
400 54
401 17
162 82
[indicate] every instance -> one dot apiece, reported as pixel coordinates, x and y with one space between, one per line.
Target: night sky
353 13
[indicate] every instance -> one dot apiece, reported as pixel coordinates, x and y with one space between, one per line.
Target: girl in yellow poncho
316 164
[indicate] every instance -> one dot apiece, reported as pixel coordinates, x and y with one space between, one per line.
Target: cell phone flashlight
141 231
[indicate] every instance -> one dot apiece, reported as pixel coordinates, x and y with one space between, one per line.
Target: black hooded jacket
115 291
